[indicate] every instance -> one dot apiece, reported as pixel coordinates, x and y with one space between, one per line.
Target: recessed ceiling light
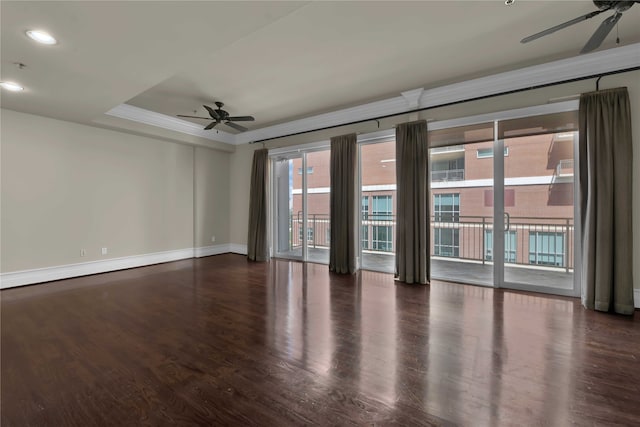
41 37
13 87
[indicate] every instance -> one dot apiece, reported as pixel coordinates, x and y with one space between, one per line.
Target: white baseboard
238 249
212 250
636 297
39 275
48 274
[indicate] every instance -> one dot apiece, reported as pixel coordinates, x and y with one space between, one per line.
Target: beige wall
67 187
240 182
241 159
212 197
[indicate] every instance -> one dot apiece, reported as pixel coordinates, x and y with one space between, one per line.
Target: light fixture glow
41 37
13 87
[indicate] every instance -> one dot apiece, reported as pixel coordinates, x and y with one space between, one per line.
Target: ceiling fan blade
211 125
194 117
236 127
563 25
212 112
601 33
241 118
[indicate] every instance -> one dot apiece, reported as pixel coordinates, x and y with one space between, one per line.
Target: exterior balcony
447 175
537 250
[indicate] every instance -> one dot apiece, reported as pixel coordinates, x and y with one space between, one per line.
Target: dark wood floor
221 341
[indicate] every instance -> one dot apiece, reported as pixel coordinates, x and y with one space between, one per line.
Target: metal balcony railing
565 167
563 172
447 175
528 241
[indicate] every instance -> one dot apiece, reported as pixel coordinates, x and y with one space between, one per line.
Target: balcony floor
455 270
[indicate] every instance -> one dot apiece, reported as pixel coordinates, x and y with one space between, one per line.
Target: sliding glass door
503 201
301 205
289 224
378 205
538 202
462 203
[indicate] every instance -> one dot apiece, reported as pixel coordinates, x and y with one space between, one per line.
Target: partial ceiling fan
220 116
603 30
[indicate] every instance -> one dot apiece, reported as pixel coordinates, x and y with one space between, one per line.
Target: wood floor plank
224 341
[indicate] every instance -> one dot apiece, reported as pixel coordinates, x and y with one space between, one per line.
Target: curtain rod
447 104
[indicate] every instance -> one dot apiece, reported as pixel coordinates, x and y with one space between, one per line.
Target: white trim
39 275
536 110
140 115
323 190
379 187
566 69
235 248
48 274
523 180
294 149
211 250
604 61
636 298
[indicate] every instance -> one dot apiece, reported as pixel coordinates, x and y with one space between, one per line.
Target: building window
309 234
382 208
510 239
446 207
382 238
487 153
365 207
446 242
546 248
365 237
309 170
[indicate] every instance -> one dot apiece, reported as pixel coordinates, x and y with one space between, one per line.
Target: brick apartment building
539 200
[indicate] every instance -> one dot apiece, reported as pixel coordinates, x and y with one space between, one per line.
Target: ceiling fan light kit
221 116
601 32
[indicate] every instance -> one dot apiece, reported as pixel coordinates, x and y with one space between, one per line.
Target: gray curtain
413 219
257 246
605 159
343 170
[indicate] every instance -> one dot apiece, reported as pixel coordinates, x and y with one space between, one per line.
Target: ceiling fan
220 116
603 30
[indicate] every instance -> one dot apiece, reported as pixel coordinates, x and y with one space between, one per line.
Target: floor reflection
465 354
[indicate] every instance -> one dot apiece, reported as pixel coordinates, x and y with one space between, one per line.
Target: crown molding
605 61
140 115
552 72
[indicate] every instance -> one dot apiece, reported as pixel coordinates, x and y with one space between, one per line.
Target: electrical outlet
83 252
104 251
213 238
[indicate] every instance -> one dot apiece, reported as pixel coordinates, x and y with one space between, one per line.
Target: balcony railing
528 241
447 175
565 168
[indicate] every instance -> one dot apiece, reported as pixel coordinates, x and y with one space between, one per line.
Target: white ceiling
277 61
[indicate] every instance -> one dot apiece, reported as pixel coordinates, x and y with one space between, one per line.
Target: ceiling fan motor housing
620 6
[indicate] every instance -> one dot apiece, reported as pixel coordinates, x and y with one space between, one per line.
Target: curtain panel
342 199
605 198
413 218
257 245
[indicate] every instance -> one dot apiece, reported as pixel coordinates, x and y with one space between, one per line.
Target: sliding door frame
498 179
498 192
